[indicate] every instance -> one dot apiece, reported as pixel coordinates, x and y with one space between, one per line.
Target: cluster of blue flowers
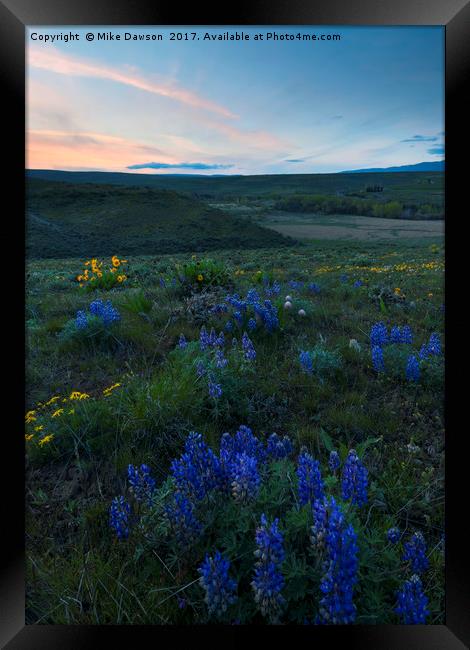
119 517
334 461
393 535
380 337
431 348
215 389
306 361
412 602
310 482
254 310
354 480
142 485
210 340
219 588
313 287
412 370
415 553
244 477
249 351
278 447
268 581
401 334
198 470
99 309
271 290
340 568
183 522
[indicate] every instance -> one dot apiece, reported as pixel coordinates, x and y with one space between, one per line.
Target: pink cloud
55 61
48 149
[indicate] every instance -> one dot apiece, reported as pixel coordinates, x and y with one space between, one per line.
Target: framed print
238 409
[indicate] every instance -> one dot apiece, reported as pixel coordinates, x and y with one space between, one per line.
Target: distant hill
85 220
401 186
431 166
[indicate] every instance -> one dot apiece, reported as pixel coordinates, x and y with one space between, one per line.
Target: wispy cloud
49 149
436 151
182 165
421 138
54 60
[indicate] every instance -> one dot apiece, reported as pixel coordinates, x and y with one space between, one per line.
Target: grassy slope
69 220
76 572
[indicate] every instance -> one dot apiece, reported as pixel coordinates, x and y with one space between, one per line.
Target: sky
375 98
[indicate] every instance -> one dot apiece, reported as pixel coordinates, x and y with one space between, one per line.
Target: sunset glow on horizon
373 99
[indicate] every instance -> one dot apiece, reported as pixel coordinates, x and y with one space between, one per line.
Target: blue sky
373 99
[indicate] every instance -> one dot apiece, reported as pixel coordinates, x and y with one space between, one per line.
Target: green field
144 396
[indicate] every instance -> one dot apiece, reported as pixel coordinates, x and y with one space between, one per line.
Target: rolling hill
427 187
85 220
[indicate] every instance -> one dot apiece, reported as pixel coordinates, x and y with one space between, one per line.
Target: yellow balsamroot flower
57 413
29 436
115 261
397 291
75 394
29 417
52 400
200 277
84 396
121 278
46 439
39 428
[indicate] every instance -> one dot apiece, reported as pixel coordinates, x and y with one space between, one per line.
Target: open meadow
313 372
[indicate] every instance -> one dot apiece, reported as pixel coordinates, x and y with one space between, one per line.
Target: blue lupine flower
314 288
378 358
415 552
220 360
252 297
182 343
219 587
215 390
268 581
401 334
197 472
248 348
393 535
354 480
200 369
379 334
229 326
238 316
320 518
412 368
142 484
423 352
343 278
251 324
81 320
278 447
242 442
119 517
340 570
162 283
334 461
358 284
183 523
244 477
105 311
310 483
295 284
273 290
412 602
434 345
306 361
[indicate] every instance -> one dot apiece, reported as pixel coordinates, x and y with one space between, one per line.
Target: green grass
76 572
69 220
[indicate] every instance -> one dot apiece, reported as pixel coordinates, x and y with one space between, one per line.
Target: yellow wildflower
29 436
200 277
39 428
57 413
47 438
